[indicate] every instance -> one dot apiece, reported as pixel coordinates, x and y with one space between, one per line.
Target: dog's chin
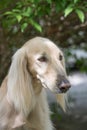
57 91
54 90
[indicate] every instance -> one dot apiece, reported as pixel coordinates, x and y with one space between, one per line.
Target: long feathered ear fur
20 91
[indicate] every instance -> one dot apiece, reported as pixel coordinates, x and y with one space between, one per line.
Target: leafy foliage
23 13
77 8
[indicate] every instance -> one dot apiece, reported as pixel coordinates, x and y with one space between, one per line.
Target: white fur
23 101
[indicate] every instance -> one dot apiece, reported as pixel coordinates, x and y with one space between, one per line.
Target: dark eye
60 57
42 59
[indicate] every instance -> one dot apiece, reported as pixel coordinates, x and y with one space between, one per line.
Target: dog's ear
20 90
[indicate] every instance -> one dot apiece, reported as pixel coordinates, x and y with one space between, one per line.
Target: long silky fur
20 89
20 103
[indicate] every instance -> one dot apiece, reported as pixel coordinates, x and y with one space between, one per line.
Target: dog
37 65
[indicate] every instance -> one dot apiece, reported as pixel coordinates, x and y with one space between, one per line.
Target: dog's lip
56 90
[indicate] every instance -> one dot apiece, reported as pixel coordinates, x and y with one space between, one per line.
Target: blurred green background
62 21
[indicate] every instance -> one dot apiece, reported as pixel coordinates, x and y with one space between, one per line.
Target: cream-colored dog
39 64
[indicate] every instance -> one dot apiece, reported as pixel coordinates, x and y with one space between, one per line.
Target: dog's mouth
61 86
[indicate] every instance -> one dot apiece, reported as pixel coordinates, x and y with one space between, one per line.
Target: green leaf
24 26
18 17
80 14
27 12
58 6
36 25
75 1
16 10
68 10
8 13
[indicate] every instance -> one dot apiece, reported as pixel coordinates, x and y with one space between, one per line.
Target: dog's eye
60 57
42 59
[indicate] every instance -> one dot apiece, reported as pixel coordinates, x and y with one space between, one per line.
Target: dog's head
46 64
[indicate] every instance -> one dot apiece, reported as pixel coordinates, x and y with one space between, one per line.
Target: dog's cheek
40 69
50 82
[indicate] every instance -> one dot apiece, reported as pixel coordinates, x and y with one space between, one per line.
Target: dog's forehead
41 45
51 45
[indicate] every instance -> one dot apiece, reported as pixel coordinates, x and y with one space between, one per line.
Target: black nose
64 85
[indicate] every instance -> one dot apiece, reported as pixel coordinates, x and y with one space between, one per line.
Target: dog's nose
64 86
